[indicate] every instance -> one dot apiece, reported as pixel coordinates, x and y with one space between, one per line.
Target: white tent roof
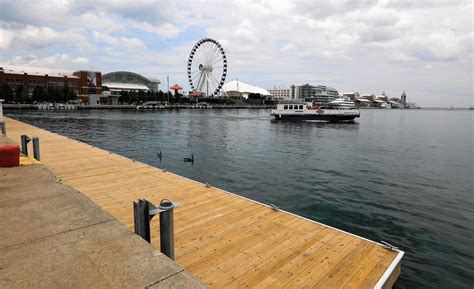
244 88
115 86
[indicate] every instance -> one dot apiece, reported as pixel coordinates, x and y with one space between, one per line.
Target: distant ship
471 107
308 112
342 103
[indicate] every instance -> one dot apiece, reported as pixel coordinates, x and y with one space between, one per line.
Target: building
238 89
128 81
351 95
279 92
82 83
319 94
30 79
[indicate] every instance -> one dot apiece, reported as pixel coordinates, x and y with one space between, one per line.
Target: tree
71 95
18 93
53 94
25 95
67 95
39 95
141 96
123 98
6 93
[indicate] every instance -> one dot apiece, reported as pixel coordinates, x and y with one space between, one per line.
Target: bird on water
159 154
189 160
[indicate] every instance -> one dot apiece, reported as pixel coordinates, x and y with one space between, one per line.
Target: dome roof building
126 80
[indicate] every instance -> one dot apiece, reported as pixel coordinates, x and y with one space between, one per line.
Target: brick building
85 84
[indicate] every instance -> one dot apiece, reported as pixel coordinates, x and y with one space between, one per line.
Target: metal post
1 109
142 219
166 229
3 127
2 122
24 144
144 211
36 148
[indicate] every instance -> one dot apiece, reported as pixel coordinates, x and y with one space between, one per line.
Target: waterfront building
368 96
319 94
238 89
82 83
279 92
351 95
129 81
383 97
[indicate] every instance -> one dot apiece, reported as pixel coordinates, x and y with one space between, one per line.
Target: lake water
403 176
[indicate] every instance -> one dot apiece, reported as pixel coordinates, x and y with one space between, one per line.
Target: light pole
168 88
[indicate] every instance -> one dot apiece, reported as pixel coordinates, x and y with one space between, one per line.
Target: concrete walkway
53 236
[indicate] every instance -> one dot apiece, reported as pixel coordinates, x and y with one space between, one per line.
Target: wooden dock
222 239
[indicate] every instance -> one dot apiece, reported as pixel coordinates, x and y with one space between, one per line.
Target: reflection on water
400 176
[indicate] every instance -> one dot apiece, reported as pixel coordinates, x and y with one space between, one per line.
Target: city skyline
422 48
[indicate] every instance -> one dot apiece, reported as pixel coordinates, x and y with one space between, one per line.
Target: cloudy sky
369 46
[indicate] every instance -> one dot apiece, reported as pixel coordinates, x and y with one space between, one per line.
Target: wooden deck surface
222 239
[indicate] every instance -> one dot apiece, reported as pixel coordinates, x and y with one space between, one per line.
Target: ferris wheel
207 67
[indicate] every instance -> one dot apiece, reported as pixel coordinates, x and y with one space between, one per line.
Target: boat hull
317 117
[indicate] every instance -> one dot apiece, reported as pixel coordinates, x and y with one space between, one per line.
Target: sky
422 47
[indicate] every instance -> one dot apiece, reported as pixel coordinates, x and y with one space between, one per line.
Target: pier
223 239
55 237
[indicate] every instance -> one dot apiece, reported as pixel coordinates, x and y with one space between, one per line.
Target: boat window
285 107
290 106
301 106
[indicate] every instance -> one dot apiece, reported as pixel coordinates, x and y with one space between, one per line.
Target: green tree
67 95
6 93
39 95
53 94
71 95
18 93
25 95
141 96
123 98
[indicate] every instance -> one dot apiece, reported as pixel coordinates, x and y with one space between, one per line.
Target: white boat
394 104
342 103
306 111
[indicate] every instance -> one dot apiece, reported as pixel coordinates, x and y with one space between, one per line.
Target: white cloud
132 43
289 47
166 30
36 37
59 60
6 37
81 60
104 37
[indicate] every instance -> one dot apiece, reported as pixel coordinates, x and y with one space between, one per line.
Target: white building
353 95
280 92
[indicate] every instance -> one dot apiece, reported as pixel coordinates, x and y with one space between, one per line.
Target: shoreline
222 106
129 106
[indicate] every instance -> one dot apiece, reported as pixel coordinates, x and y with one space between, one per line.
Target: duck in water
189 160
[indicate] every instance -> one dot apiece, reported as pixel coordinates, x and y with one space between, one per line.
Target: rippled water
403 176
